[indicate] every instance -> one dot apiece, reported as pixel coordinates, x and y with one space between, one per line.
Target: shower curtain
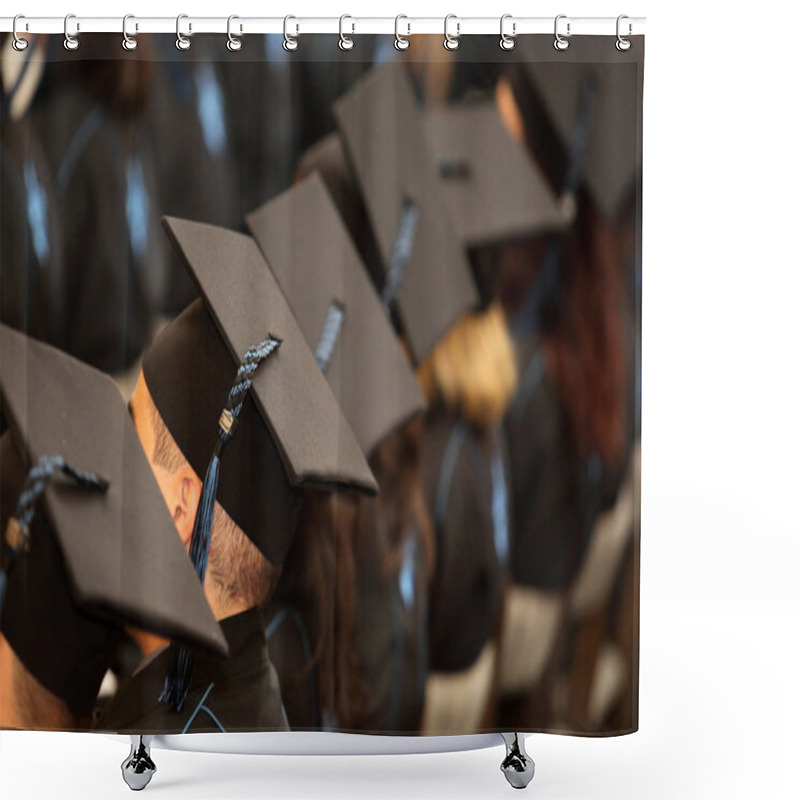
427 513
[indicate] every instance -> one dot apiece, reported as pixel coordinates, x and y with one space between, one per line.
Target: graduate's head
88 546
578 120
242 397
498 197
238 576
306 243
385 183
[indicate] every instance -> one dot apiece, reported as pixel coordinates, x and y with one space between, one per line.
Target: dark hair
396 464
582 331
319 578
585 343
320 569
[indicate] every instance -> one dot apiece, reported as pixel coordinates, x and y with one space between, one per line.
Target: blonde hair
473 370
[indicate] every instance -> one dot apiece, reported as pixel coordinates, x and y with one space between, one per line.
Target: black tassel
204 521
179 677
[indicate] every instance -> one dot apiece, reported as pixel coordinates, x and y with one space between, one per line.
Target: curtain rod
349 25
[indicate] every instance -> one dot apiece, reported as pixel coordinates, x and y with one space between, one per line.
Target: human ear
185 503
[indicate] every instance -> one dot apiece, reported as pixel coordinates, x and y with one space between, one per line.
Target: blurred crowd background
97 146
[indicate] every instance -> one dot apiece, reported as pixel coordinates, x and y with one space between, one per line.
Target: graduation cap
319 270
423 272
241 394
327 158
290 432
494 191
589 112
75 475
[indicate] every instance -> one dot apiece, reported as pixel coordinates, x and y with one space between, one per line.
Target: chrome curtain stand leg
517 766
138 768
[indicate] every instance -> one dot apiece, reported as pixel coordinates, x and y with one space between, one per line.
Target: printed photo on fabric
320 376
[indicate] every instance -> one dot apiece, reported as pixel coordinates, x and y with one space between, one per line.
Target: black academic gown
464 482
291 646
32 273
113 246
556 494
326 73
239 693
187 118
390 640
263 95
391 629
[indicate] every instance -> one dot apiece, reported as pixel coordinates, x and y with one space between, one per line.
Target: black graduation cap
92 489
64 648
243 398
327 158
592 109
290 432
319 270
494 190
423 269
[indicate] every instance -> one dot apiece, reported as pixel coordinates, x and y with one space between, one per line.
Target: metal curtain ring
289 42
450 41
129 42
345 42
623 44
234 43
182 42
561 42
19 44
70 42
507 42
401 42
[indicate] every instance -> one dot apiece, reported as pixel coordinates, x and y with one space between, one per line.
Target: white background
720 603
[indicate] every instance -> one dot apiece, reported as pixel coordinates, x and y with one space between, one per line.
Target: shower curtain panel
320 374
